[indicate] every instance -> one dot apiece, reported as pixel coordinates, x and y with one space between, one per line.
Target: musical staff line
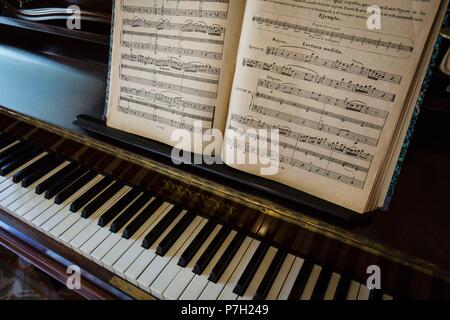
378 43
315 125
172 37
210 14
319 111
351 68
307 152
170 74
160 119
172 101
323 143
169 86
321 80
291 161
346 104
173 50
189 67
170 110
188 27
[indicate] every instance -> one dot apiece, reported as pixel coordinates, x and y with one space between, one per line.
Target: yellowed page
172 66
334 89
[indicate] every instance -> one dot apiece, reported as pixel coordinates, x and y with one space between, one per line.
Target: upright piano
141 228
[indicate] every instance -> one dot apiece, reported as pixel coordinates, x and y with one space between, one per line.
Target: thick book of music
316 95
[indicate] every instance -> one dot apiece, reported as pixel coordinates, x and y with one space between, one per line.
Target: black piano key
195 245
142 217
41 172
5 154
101 199
130 212
226 258
13 153
65 182
20 161
271 274
322 284
90 194
250 270
156 232
174 234
45 185
211 250
6 140
301 280
74 187
29 170
342 288
118 207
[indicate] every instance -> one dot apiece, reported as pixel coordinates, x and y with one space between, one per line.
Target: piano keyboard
159 246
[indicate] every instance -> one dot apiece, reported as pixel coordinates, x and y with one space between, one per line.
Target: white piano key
12 189
21 192
61 222
26 207
81 223
92 227
153 270
200 281
353 290
186 274
23 207
259 275
10 175
55 209
12 144
213 290
290 280
171 269
121 261
311 283
39 209
227 293
364 293
387 297
112 239
123 245
147 255
281 277
332 286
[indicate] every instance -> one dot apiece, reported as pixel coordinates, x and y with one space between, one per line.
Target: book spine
415 116
108 79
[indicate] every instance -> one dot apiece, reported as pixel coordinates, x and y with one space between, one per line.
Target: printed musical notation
170 60
349 105
170 86
337 65
175 101
188 26
336 147
173 111
349 86
354 38
349 171
159 119
210 14
180 51
174 64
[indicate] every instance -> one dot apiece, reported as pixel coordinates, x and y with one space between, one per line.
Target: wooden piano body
49 76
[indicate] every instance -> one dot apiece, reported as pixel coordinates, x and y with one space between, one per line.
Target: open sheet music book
337 83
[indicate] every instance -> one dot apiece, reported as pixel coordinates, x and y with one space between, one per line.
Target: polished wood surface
53 79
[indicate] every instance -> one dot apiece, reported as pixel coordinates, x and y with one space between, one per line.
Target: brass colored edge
262 205
130 289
